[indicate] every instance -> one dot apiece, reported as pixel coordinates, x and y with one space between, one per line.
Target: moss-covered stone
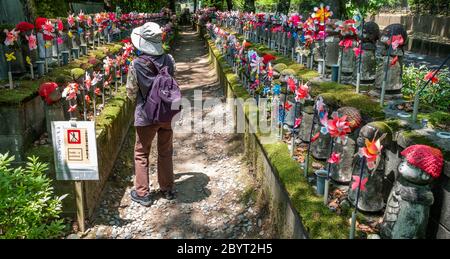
288 72
77 73
280 67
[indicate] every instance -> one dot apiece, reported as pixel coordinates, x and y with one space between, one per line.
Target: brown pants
144 138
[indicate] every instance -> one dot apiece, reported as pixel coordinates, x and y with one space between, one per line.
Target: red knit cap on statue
426 158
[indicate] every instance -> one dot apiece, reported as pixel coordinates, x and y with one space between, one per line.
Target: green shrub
28 207
436 96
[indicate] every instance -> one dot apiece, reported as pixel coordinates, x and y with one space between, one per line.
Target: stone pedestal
368 65
348 64
331 51
394 82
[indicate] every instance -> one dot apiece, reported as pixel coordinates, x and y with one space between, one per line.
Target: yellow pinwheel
70 34
28 59
10 57
48 44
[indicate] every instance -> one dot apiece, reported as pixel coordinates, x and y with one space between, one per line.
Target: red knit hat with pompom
426 158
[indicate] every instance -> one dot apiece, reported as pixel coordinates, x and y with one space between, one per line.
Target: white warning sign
75 150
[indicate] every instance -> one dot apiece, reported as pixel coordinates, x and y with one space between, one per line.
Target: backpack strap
154 69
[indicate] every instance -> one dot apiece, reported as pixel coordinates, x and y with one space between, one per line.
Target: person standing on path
147 39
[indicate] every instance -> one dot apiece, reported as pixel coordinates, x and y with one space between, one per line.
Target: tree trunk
283 6
230 5
172 5
249 6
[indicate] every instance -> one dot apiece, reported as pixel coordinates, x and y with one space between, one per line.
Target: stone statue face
367 132
413 174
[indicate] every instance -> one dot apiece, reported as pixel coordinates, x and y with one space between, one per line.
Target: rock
259 223
73 236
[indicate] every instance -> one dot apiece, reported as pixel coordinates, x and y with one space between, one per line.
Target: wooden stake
80 204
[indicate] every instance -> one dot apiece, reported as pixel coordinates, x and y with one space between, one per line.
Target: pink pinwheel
88 81
358 51
60 25
346 43
297 123
319 105
372 151
60 41
81 17
397 40
358 183
339 127
432 76
48 29
302 92
72 108
321 35
70 92
291 84
97 78
394 61
71 20
11 37
89 21
335 158
32 41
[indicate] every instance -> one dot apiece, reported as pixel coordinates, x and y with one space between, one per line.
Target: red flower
394 61
40 22
358 183
335 158
338 126
432 76
60 25
268 57
302 92
24 26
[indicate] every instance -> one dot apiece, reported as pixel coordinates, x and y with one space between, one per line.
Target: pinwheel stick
327 181
358 192
324 45
306 166
293 129
84 103
386 70
284 113
358 75
103 87
10 77
32 71
341 56
416 97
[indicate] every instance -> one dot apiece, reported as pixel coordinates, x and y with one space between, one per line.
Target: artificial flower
60 41
71 20
291 84
338 127
11 37
302 92
371 151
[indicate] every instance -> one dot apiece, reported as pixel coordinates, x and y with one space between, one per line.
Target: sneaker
144 201
169 195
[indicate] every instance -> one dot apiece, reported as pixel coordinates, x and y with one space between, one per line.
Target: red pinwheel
97 91
394 61
291 85
358 183
335 158
338 127
372 151
315 137
358 51
24 26
287 106
346 43
72 108
297 123
302 92
397 40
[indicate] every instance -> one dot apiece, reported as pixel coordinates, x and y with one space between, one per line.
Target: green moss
280 67
437 119
112 109
288 72
297 67
319 221
307 75
77 73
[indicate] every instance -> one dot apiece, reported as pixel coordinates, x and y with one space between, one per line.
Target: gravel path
216 190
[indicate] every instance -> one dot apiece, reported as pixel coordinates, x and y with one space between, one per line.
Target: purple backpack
163 100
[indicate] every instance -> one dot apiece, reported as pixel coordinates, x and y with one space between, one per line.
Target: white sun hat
148 39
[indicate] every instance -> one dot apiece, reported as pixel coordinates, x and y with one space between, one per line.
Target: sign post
75 149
